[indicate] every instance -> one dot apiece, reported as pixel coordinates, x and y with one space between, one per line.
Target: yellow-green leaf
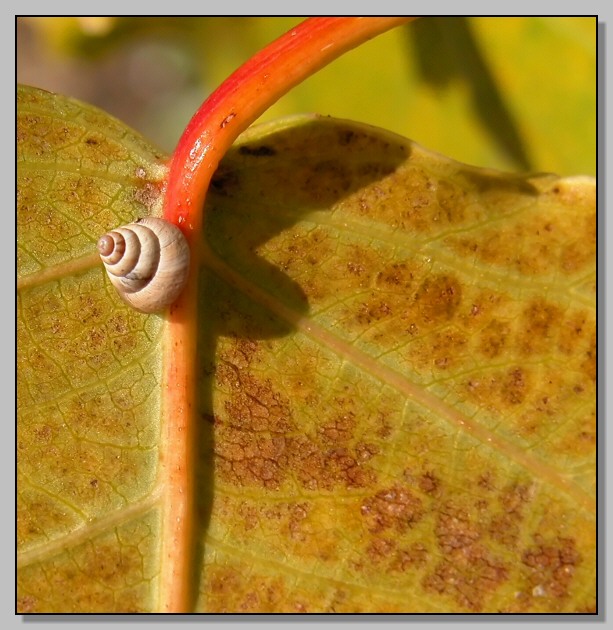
396 406
88 367
399 380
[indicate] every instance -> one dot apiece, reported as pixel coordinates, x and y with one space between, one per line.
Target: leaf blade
372 315
88 374
338 443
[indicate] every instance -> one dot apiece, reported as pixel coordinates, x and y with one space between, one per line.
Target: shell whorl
147 262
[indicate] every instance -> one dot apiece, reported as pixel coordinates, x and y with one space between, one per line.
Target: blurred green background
512 93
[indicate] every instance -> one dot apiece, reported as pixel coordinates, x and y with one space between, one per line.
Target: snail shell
147 262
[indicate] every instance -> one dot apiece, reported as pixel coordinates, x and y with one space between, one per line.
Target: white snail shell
147 262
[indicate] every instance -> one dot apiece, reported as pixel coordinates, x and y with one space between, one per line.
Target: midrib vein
400 382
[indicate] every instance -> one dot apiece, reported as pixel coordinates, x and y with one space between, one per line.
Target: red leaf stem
246 94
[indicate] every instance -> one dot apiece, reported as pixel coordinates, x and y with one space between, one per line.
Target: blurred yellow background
511 93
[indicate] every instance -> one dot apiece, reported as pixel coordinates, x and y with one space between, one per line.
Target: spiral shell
147 262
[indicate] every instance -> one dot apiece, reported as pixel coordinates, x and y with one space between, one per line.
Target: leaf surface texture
396 368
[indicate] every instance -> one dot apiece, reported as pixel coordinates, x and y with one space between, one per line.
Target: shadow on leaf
262 188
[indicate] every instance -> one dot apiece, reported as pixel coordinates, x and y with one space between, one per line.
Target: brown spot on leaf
100 576
582 439
257 442
316 468
409 559
223 583
573 330
445 348
468 578
256 406
579 254
551 566
341 467
118 324
468 572
26 604
454 529
298 513
514 386
373 311
485 481
395 508
539 320
312 249
249 455
438 298
589 363
346 136
412 204
355 268
494 338
507 389
340 430
505 524
429 483
124 345
481 308
397 277
148 194
380 549
236 589
88 309
244 458
366 451
43 434
249 516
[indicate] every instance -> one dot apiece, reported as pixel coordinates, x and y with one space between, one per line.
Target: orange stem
246 94
240 100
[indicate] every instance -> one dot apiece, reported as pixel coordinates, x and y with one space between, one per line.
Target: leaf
396 399
423 439
88 368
